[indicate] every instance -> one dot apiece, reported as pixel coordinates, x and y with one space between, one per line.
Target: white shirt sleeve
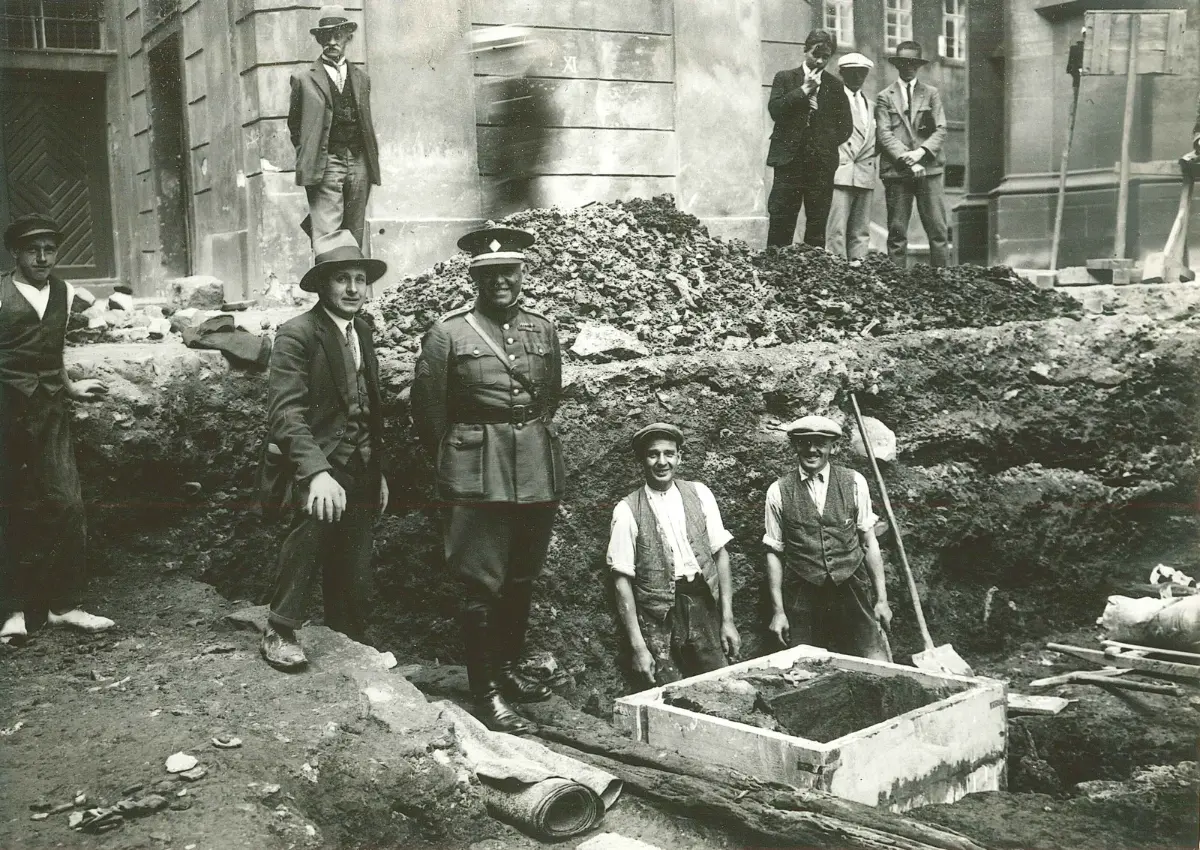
70 301
622 540
773 521
862 501
718 536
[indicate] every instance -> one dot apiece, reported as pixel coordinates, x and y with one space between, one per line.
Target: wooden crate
935 754
1159 48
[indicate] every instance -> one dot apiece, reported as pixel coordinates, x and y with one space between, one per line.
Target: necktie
339 79
352 341
812 98
909 91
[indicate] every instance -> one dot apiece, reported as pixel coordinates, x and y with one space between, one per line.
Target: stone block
199 291
595 55
120 301
1074 276
83 300
883 440
601 343
652 16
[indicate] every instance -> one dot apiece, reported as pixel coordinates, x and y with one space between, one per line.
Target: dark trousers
929 194
43 528
838 617
339 552
794 187
688 642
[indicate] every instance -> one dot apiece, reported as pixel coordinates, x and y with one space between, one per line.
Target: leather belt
518 414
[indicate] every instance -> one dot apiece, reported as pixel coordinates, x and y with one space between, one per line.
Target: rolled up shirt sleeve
773 519
718 536
622 540
862 501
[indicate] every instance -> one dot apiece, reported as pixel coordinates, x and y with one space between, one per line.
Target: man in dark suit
325 426
812 119
910 126
329 119
487 385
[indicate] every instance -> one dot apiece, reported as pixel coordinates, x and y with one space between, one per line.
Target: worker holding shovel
824 569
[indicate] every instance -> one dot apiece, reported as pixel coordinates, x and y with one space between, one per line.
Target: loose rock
179 762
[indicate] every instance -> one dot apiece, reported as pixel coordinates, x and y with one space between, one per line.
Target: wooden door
55 162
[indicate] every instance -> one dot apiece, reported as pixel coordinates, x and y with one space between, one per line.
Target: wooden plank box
935 754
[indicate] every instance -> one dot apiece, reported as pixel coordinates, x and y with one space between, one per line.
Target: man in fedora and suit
329 119
324 422
910 126
812 119
487 386
848 232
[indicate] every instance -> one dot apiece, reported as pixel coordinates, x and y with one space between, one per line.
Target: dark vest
358 422
654 576
345 131
821 547
31 349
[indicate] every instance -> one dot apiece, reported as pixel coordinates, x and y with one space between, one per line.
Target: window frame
897 16
840 8
32 18
959 42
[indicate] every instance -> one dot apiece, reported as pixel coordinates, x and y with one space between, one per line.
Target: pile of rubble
651 280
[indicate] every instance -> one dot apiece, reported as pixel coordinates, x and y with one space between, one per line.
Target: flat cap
491 246
855 60
813 426
30 224
656 429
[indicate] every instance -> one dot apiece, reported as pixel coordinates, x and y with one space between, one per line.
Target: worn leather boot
490 706
512 620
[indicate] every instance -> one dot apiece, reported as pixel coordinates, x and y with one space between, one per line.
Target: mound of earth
645 267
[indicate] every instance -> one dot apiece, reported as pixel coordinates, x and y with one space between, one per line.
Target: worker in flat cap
45 575
323 455
329 119
848 229
487 386
824 570
666 550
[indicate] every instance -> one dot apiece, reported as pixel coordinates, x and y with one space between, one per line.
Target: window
839 20
953 42
52 24
897 23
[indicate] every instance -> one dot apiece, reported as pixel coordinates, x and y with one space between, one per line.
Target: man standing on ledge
848 233
487 386
910 125
337 155
325 429
39 482
824 570
812 119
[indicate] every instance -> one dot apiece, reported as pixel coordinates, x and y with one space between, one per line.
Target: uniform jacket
469 412
857 157
309 401
798 140
310 114
896 135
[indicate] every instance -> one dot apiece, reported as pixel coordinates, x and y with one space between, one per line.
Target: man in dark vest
487 386
666 549
337 154
40 500
325 428
824 570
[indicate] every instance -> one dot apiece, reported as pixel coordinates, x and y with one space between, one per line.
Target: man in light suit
325 429
848 231
812 118
329 119
910 126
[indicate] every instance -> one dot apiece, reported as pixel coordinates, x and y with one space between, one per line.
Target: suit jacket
857 158
896 135
803 139
465 405
309 402
311 112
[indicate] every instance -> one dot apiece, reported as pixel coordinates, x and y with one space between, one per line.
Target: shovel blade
942 659
1155 268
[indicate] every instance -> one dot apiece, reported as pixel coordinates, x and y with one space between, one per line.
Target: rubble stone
120 301
202 291
602 343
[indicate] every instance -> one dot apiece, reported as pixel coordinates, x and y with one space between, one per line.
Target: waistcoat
358 423
31 349
654 574
345 130
821 547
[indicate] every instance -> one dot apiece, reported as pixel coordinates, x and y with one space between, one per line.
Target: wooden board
934 754
1159 48
1178 654
1030 704
1134 662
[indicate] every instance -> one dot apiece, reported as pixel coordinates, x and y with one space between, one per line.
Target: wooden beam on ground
1067 678
1133 662
1178 654
1030 704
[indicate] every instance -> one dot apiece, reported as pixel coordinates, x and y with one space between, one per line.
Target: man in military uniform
487 386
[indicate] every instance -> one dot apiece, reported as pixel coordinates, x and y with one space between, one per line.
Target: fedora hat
332 18
908 51
335 250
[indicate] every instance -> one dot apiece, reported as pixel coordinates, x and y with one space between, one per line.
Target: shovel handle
887 509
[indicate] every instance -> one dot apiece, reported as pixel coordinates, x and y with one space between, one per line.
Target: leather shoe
499 716
282 650
520 688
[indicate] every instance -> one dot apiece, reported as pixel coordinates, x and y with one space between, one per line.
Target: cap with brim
494 246
855 60
662 430
335 250
332 18
813 426
27 226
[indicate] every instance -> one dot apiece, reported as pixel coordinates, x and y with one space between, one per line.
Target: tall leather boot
490 706
512 621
